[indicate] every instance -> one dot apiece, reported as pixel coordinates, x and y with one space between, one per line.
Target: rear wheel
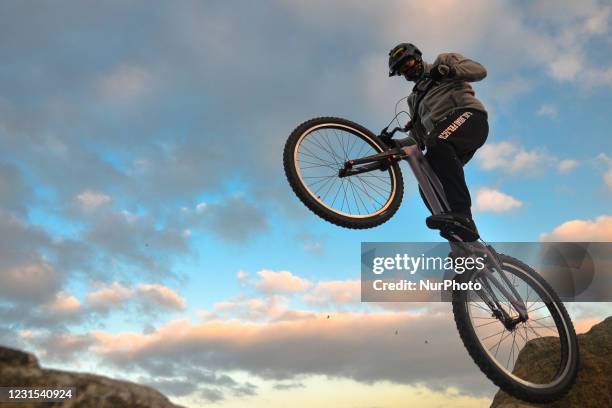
537 360
314 154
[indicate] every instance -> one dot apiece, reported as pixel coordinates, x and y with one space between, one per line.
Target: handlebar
385 133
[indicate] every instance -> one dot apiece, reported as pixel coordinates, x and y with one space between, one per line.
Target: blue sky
140 168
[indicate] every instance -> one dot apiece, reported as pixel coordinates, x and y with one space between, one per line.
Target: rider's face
409 69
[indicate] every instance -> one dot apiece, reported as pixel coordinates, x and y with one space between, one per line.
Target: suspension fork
489 279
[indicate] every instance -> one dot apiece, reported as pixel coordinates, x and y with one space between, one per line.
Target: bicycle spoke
486 324
377 189
488 337
359 195
337 192
350 183
365 191
321 187
533 310
314 165
314 156
511 349
330 152
329 189
323 179
333 155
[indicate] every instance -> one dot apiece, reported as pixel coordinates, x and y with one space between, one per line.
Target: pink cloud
280 282
162 296
334 292
242 307
34 281
364 346
582 230
64 304
108 296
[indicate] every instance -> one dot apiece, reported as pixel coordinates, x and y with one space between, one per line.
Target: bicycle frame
436 199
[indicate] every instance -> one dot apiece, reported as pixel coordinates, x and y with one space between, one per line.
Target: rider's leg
444 161
457 138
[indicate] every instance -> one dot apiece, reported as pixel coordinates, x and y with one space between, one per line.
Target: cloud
32 282
235 219
566 67
280 282
171 387
513 159
22 244
491 200
338 292
59 347
311 243
117 295
565 166
577 230
92 199
607 175
507 156
253 308
64 304
608 179
125 83
288 386
136 241
242 277
161 296
359 346
547 110
110 296
15 194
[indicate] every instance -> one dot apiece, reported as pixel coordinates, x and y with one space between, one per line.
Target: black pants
456 140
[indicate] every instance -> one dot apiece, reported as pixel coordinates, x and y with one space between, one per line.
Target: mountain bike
515 327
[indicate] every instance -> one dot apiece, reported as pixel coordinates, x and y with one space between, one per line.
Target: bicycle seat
450 223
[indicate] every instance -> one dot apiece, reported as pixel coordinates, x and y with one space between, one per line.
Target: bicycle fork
488 280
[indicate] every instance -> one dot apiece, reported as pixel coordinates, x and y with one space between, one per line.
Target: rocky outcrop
593 387
19 369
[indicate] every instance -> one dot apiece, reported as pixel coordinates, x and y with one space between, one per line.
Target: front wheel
536 360
314 154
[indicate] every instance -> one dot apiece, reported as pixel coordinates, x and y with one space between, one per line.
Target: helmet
399 54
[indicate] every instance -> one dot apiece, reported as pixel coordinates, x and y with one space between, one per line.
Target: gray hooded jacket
445 96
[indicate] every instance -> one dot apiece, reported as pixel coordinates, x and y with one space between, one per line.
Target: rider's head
405 59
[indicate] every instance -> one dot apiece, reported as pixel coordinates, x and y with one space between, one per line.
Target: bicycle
516 309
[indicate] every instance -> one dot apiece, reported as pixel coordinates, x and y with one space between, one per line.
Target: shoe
454 223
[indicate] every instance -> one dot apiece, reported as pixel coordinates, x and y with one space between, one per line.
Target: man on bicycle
448 120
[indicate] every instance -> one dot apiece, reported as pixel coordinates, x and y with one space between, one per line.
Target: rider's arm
462 68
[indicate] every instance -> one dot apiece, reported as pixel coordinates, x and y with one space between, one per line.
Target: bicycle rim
321 152
536 353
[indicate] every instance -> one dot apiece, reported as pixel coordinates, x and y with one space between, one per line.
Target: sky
147 230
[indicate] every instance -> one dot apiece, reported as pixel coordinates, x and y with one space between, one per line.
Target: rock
20 369
593 387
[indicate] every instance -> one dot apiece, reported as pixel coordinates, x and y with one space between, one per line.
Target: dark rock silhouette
20 369
593 387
